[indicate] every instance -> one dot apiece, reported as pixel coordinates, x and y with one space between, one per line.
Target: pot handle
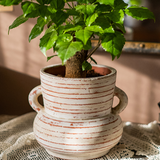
123 101
33 99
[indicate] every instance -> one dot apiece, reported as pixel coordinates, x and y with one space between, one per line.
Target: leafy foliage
72 23
139 13
86 66
21 19
113 43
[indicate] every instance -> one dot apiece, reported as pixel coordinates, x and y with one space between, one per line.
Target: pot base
83 156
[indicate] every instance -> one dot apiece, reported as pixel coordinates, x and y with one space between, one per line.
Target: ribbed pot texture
77 121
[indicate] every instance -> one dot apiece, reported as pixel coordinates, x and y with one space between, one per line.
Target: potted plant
77 120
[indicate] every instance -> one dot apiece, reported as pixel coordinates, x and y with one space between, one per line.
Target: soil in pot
94 72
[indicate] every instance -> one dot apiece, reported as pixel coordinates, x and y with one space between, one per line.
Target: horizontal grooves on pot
81 96
73 94
85 138
77 98
72 145
71 124
75 86
77 136
78 112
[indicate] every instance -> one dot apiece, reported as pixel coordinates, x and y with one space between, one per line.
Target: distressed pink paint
77 121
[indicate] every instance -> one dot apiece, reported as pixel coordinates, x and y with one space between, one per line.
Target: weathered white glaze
77 120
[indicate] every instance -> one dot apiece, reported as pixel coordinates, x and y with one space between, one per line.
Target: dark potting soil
90 73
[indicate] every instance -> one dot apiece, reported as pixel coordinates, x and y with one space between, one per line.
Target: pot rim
113 72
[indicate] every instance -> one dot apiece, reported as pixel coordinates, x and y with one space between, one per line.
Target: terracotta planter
77 120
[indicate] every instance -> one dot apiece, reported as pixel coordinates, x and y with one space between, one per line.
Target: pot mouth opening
59 70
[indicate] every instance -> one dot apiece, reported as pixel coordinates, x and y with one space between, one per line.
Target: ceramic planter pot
77 120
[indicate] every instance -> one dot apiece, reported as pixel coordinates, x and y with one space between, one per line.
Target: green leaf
103 8
86 9
95 28
59 17
80 7
106 2
44 1
64 38
72 12
117 16
57 4
90 8
21 19
109 29
139 13
113 43
60 29
48 41
49 24
120 4
88 45
91 19
69 0
105 23
9 2
135 2
79 20
38 10
68 49
72 28
33 14
50 29
85 1
86 66
48 58
29 7
45 11
51 9
38 28
83 35
53 27
121 27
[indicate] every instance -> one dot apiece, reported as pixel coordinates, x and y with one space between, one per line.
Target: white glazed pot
77 120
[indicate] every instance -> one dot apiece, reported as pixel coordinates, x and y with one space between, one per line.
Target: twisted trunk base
74 65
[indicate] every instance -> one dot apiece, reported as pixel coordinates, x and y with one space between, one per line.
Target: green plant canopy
71 24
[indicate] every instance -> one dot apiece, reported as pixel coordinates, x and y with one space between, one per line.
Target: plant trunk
74 65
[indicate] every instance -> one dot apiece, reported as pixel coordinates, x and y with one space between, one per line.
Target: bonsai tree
71 25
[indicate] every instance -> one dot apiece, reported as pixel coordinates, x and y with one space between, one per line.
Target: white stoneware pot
77 121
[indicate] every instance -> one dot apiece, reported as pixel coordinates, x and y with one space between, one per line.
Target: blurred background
138 73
